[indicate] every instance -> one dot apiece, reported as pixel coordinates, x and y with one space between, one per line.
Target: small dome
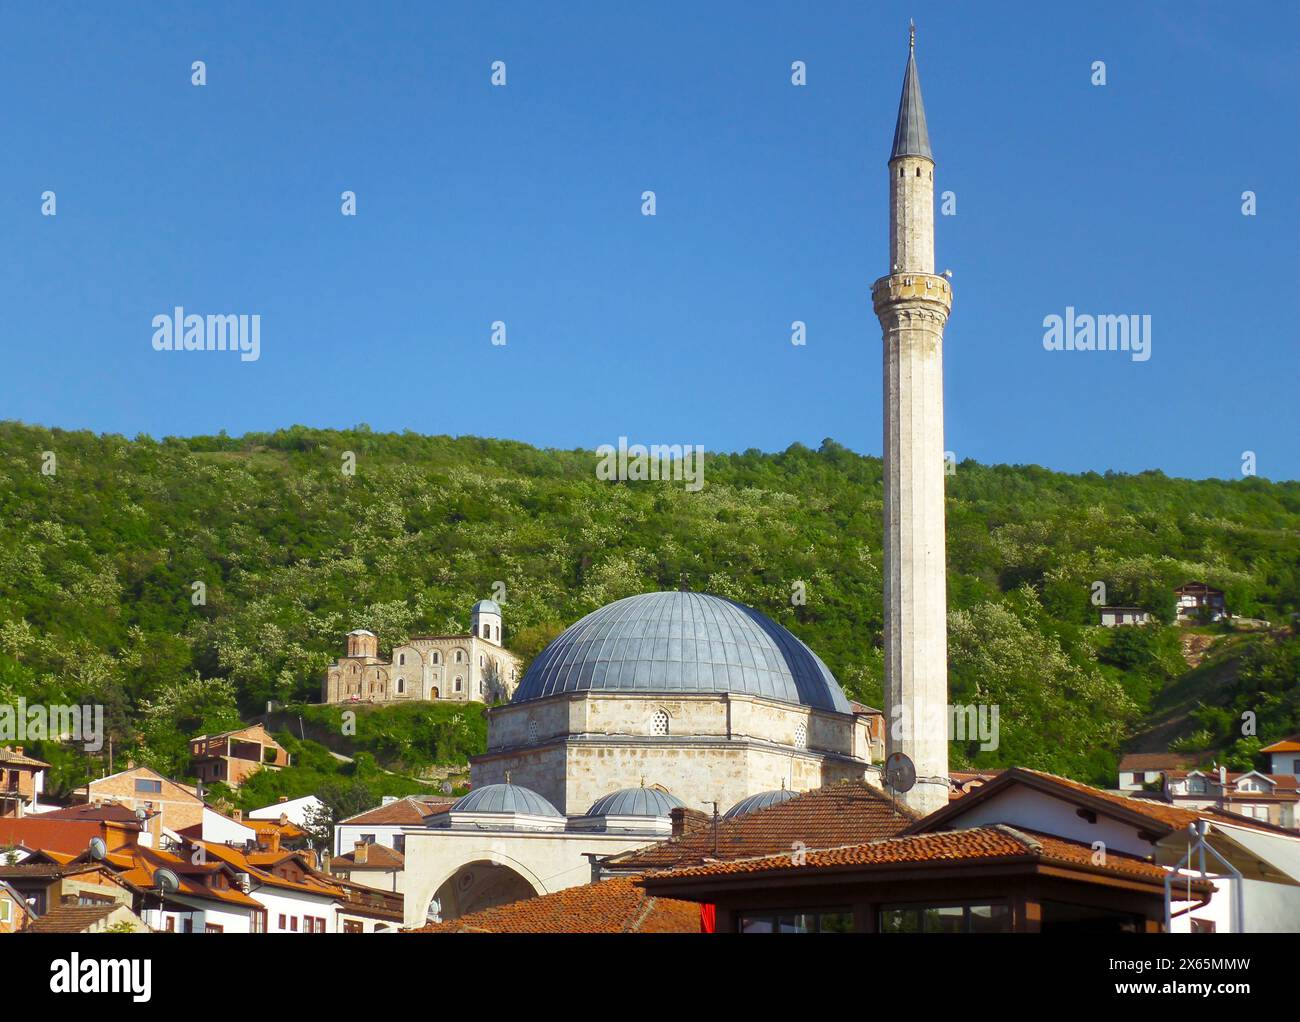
504 798
486 607
361 631
760 801
635 802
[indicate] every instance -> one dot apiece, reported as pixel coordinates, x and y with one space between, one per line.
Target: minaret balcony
910 287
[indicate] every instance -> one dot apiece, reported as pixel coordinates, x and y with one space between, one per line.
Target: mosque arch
485 879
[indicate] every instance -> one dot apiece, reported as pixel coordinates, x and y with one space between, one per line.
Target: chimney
237 815
678 816
17 750
282 798
360 853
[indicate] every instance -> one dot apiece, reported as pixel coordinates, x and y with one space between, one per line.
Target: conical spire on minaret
910 135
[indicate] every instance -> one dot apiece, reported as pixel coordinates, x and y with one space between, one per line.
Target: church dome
486 607
760 801
635 802
679 643
504 798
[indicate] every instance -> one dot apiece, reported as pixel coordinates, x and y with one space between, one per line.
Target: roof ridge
1031 843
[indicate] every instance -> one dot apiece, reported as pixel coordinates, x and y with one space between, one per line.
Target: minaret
912 304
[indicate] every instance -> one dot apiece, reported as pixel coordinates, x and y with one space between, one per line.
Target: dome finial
911 42
507 777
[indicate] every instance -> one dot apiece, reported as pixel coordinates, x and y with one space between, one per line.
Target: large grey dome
678 642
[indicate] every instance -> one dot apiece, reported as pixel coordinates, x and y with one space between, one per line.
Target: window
487 631
169 924
480 686
458 684
437 657
145 786
480 659
352 926
213 928
368 838
460 656
837 920
659 723
401 659
1202 925
399 843
532 731
991 918
293 924
401 685
801 736
257 924
283 921
6 910
497 629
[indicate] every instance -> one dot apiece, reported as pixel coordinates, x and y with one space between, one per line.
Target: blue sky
523 204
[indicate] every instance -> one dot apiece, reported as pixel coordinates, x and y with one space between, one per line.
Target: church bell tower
912 304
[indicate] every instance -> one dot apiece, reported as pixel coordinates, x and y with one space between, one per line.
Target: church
459 668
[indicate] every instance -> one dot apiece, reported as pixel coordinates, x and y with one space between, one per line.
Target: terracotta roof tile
410 810
14 758
1155 761
377 857
938 848
70 918
611 906
838 814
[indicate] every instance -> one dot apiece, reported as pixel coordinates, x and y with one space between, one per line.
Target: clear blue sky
522 204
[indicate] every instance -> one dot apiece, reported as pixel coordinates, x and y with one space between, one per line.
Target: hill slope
99 564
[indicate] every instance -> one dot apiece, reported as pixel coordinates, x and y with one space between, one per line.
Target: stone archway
475 886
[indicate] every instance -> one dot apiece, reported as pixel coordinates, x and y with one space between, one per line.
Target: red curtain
708 918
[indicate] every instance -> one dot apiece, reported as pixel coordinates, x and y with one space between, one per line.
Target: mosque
656 701
683 699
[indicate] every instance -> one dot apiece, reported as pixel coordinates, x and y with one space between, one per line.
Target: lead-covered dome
635 802
760 801
682 643
506 799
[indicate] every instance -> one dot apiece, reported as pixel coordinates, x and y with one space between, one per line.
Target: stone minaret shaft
912 304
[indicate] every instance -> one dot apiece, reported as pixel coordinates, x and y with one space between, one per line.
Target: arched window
497 629
900 171
435 693
801 736
487 631
401 659
437 657
659 723
480 659
918 171
460 656
458 683
480 686
401 685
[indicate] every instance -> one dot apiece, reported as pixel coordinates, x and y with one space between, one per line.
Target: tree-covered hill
99 563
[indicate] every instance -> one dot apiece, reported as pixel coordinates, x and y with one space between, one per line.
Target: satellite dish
900 774
166 882
142 814
98 849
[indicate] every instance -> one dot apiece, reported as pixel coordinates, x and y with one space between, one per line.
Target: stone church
457 668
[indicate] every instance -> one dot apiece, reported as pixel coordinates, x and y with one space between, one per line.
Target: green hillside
98 563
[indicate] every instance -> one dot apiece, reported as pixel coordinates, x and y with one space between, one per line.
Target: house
371 865
170 805
1112 617
617 905
1284 756
365 910
388 823
15 913
1257 796
294 896
296 810
233 756
69 896
1023 852
1138 769
22 780
1200 602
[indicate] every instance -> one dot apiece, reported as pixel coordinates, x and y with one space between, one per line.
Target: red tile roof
14 757
611 906
377 857
413 809
70 918
939 848
1155 761
824 817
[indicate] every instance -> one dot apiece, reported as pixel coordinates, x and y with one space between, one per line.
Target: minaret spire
912 304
